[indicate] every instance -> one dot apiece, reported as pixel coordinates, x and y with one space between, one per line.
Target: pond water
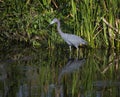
31 72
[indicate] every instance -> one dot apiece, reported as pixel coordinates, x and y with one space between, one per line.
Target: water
33 72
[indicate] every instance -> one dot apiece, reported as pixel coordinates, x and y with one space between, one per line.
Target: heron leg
77 51
70 51
70 47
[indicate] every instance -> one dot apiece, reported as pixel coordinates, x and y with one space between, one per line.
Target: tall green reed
27 21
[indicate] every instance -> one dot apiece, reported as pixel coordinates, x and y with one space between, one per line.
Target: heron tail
84 42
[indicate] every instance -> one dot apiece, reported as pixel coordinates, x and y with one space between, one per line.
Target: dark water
52 73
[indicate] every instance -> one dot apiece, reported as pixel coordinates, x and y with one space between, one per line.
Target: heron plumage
70 39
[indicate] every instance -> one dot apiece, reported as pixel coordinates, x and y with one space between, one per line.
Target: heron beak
52 22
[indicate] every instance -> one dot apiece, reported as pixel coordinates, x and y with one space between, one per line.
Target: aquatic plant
26 21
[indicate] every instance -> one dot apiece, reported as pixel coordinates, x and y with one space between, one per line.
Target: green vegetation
25 21
36 72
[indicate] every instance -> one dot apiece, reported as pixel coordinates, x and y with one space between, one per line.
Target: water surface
31 72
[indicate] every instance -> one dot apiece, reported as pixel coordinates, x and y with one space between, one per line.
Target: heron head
54 21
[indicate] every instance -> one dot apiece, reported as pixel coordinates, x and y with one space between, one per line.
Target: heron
71 66
70 39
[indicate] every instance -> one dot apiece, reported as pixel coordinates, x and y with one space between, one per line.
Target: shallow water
33 72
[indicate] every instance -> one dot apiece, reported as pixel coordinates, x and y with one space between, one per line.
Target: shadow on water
33 72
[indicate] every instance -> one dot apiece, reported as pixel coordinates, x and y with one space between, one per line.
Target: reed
27 21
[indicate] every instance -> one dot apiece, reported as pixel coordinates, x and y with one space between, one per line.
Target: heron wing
73 39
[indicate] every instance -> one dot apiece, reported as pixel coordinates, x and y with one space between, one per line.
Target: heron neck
58 28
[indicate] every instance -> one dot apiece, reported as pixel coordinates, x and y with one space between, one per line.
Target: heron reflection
71 66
